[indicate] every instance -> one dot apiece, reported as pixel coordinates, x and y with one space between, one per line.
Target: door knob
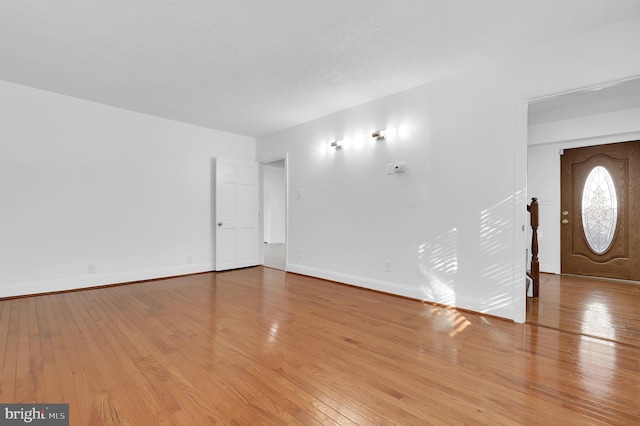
565 213
219 223
565 221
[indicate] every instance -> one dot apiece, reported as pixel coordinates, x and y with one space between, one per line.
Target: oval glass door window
599 209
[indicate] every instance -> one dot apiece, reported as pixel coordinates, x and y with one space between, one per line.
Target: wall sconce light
336 144
379 135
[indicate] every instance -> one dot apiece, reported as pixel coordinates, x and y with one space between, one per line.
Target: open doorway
274 202
602 116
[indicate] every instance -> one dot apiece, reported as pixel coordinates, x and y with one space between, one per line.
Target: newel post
535 264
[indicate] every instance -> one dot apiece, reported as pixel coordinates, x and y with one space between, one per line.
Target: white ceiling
255 67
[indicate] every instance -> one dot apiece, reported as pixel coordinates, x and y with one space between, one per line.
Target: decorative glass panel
599 209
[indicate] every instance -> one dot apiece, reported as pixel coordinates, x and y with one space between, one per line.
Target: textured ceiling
255 67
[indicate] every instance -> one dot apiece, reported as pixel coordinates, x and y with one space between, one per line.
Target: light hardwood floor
259 346
600 308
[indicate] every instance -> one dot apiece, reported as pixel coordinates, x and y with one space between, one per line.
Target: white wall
545 142
84 183
452 225
441 224
274 204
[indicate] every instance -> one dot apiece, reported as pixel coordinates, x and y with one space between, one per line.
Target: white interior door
236 214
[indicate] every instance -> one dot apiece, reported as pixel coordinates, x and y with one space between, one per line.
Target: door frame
521 196
553 230
286 208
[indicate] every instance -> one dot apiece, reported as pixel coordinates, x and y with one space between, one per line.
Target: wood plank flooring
600 308
259 346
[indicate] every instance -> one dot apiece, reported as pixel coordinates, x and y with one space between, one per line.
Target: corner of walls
88 186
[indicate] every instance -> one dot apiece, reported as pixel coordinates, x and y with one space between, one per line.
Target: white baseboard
505 310
97 280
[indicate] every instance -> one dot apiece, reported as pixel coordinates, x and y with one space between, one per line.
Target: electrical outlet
299 192
387 265
299 252
91 268
189 259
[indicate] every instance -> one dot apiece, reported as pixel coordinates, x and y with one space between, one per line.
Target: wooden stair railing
534 272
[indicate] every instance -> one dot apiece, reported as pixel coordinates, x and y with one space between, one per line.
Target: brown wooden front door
598 239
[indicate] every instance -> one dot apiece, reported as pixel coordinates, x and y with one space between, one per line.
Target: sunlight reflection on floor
596 321
594 351
458 323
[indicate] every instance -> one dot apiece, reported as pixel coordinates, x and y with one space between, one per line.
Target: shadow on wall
437 266
439 262
494 230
